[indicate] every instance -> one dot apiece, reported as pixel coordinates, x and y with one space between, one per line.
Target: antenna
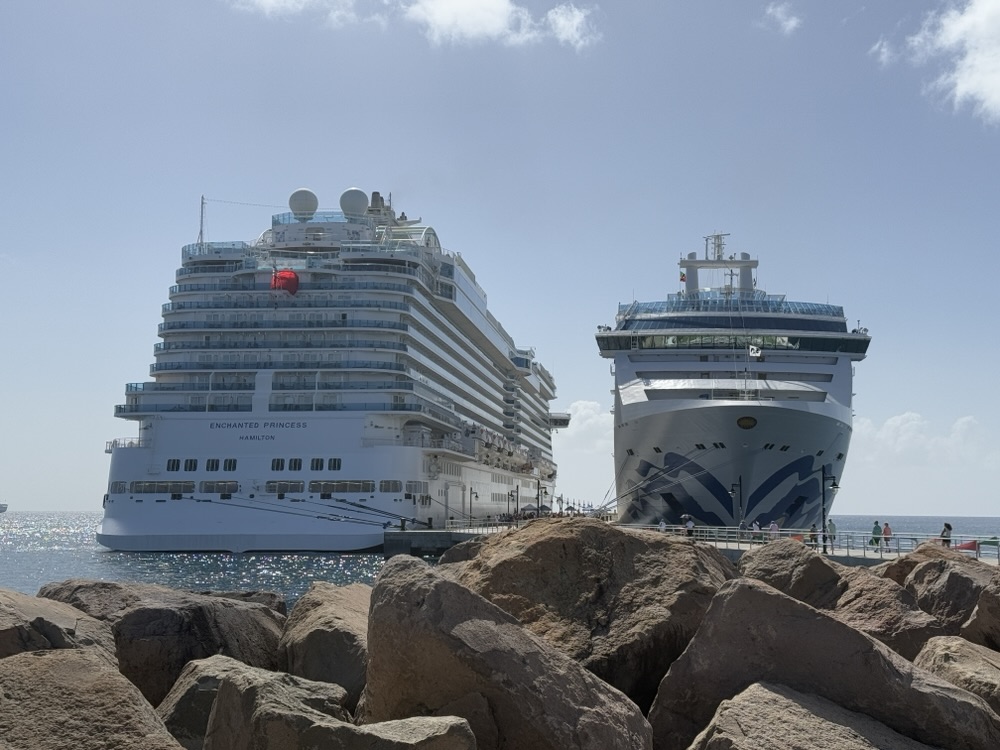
201 223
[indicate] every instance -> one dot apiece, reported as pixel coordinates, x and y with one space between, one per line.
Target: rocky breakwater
566 633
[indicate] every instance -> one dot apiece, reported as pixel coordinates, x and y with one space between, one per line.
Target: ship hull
724 463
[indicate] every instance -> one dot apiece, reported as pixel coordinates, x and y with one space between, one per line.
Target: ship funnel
691 274
746 274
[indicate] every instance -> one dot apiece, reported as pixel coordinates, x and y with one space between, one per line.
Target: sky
572 152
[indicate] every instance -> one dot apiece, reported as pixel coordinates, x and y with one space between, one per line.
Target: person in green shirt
876 540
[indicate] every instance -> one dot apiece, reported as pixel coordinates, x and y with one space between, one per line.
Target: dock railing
863 544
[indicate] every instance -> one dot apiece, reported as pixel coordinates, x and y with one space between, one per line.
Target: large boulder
187 707
874 605
968 665
436 648
754 633
28 623
949 590
73 698
259 710
775 716
983 625
326 637
899 569
158 630
622 602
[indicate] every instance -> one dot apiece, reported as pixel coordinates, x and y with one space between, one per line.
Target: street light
833 487
738 487
514 495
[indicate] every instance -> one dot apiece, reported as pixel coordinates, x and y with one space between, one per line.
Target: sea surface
38 548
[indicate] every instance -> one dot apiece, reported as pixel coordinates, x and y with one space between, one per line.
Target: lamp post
514 495
833 486
738 487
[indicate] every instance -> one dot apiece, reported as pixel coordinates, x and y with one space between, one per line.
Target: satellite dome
303 203
354 202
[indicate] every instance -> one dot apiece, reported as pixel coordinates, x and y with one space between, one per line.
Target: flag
754 351
683 276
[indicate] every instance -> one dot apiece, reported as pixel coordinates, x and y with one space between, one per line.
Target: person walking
876 540
773 530
886 534
946 535
831 532
812 535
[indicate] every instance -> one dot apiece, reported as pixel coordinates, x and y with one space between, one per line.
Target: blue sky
572 152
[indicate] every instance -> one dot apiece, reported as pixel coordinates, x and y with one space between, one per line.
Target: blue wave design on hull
667 495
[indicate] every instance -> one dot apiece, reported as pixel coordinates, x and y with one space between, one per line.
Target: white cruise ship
731 405
338 376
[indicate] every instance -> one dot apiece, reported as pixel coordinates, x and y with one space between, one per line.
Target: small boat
3 507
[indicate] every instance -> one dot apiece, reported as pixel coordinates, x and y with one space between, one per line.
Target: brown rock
28 623
434 644
326 637
754 633
73 698
874 605
188 705
259 710
900 568
949 590
622 602
775 716
272 599
158 630
968 665
983 625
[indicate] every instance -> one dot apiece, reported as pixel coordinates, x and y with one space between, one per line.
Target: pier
848 548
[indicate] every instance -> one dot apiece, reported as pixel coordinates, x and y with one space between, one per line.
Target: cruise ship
339 376
731 405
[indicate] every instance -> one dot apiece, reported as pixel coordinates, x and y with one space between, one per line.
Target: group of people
881 535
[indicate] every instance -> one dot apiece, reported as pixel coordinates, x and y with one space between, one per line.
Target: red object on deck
286 279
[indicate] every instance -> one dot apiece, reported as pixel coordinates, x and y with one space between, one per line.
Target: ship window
700 446
149 488
229 464
358 485
417 487
656 449
316 464
277 464
173 464
117 487
222 486
190 464
819 453
630 451
840 456
295 464
333 464
283 487
784 448
390 485
718 445
212 464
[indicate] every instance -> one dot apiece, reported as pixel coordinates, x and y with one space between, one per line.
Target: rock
970 666
754 633
188 706
272 599
622 602
949 590
158 630
28 623
259 710
874 605
434 645
73 698
983 625
775 716
900 568
326 637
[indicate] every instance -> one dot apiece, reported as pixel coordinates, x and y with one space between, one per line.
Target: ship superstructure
731 405
336 377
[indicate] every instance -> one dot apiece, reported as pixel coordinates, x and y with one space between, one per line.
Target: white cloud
780 16
585 454
883 52
966 39
449 21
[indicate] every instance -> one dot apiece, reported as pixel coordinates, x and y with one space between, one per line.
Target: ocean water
38 548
